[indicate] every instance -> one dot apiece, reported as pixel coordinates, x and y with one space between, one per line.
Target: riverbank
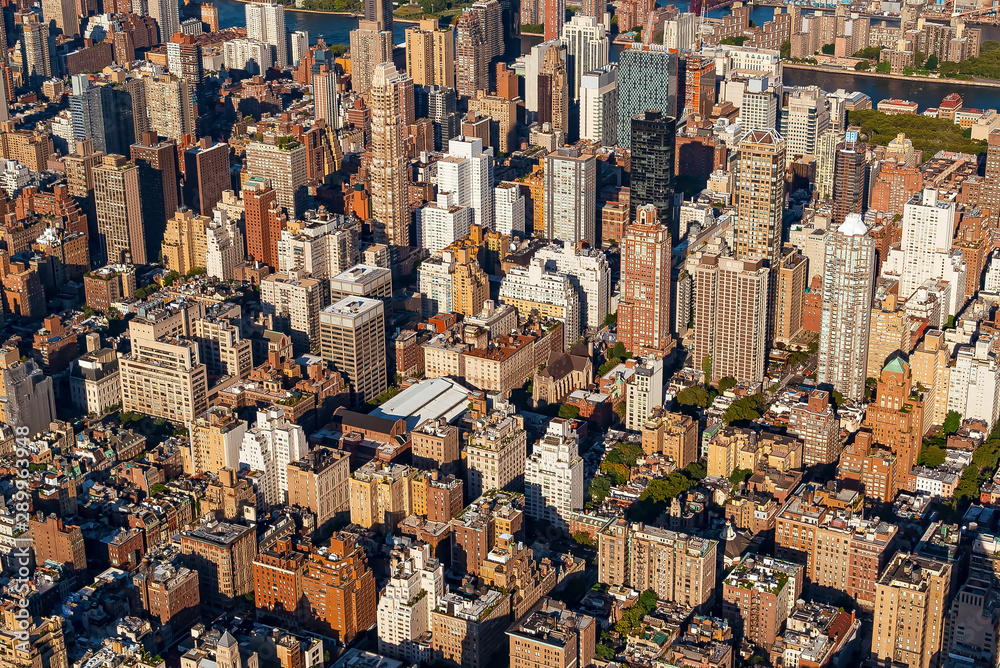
898 77
353 15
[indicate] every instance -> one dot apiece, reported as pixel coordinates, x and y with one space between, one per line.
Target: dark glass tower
653 140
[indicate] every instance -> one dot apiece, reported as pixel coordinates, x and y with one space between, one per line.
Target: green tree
786 50
883 67
828 49
871 53
706 367
569 412
745 409
863 66
919 57
988 46
618 350
693 396
617 471
600 487
158 488
610 364
932 62
604 652
611 319
727 383
738 476
952 422
583 538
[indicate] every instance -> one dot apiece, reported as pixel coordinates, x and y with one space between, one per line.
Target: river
335 29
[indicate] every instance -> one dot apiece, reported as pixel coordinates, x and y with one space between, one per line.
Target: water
335 29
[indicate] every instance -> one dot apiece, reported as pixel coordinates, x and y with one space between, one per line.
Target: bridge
703 7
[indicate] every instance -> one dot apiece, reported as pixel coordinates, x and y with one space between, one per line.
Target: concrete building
758 595
269 447
215 437
928 229
508 204
120 229
678 567
805 115
553 477
599 105
319 481
467 172
974 381
468 631
430 54
416 583
441 223
647 80
284 161
586 45
571 196
589 272
553 636
644 303
496 453
352 336
644 392
380 495
550 293
95 383
265 22
389 172
293 301
222 554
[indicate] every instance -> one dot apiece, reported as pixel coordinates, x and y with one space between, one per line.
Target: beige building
722 450
294 300
435 445
352 336
120 228
678 567
223 555
80 167
222 348
184 244
910 604
95 381
444 355
553 637
370 46
890 327
671 434
284 161
164 379
929 364
171 106
215 437
380 495
469 631
430 54
496 453
502 367
791 290
362 280
389 171
502 113
319 481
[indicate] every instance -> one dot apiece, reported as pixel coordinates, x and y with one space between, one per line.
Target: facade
285 164
570 196
848 284
553 477
678 567
266 23
599 105
760 197
95 383
223 555
928 229
586 45
590 274
215 437
120 226
467 172
404 608
390 195
647 81
644 304
164 379
508 204
758 595
653 137
430 54
550 293
352 336
320 481
293 301
496 454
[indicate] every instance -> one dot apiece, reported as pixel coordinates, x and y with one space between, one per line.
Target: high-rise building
928 229
554 89
27 399
699 84
441 223
415 584
553 476
339 590
430 54
896 416
815 423
118 200
184 58
571 196
974 381
496 453
185 244
370 47
647 81
472 54
299 46
284 163
164 379
653 138
849 187
215 437
550 292
758 595
319 480
730 317
206 175
599 105
644 304
990 198
442 103
266 23
294 300
324 246
325 96
805 116
249 55
645 391
911 599
533 69
223 555
389 173
586 44
467 171
380 495
102 114
352 336
589 272
269 447
760 196
210 16
171 106
63 15
380 12
678 567
508 203
166 13
848 284
555 18
491 19
759 107
35 46
263 224
553 636
158 185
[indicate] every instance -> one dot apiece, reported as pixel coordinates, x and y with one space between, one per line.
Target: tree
618 350
610 364
870 52
883 67
600 487
604 652
611 319
568 412
786 50
863 66
158 488
727 383
838 398
696 471
932 62
738 476
988 46
617 471
693 396
919 57
952 422
828 49
583 538
745 409
706 367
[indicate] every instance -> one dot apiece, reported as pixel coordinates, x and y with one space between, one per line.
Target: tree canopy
929 135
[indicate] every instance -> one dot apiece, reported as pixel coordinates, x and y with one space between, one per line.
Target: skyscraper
928 229
533 61
644 304
849 178
553 476
553 90
730 317
991 184
805 116
849 274
325 95
184 58
653 139
260 202
467 171
570 196
206 175
380 12
647 81
586 44
599 105
491 20
285 164
430 54
352 336
472 54
266 22
760 196
158 177
390 193
35 45
555 18
441 223
103 114
120 226
699 84
171 106
62 14
370 46
509 203
442 103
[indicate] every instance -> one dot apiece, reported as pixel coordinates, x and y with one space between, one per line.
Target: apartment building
222 554
496 453
352 336
319 481
759 594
